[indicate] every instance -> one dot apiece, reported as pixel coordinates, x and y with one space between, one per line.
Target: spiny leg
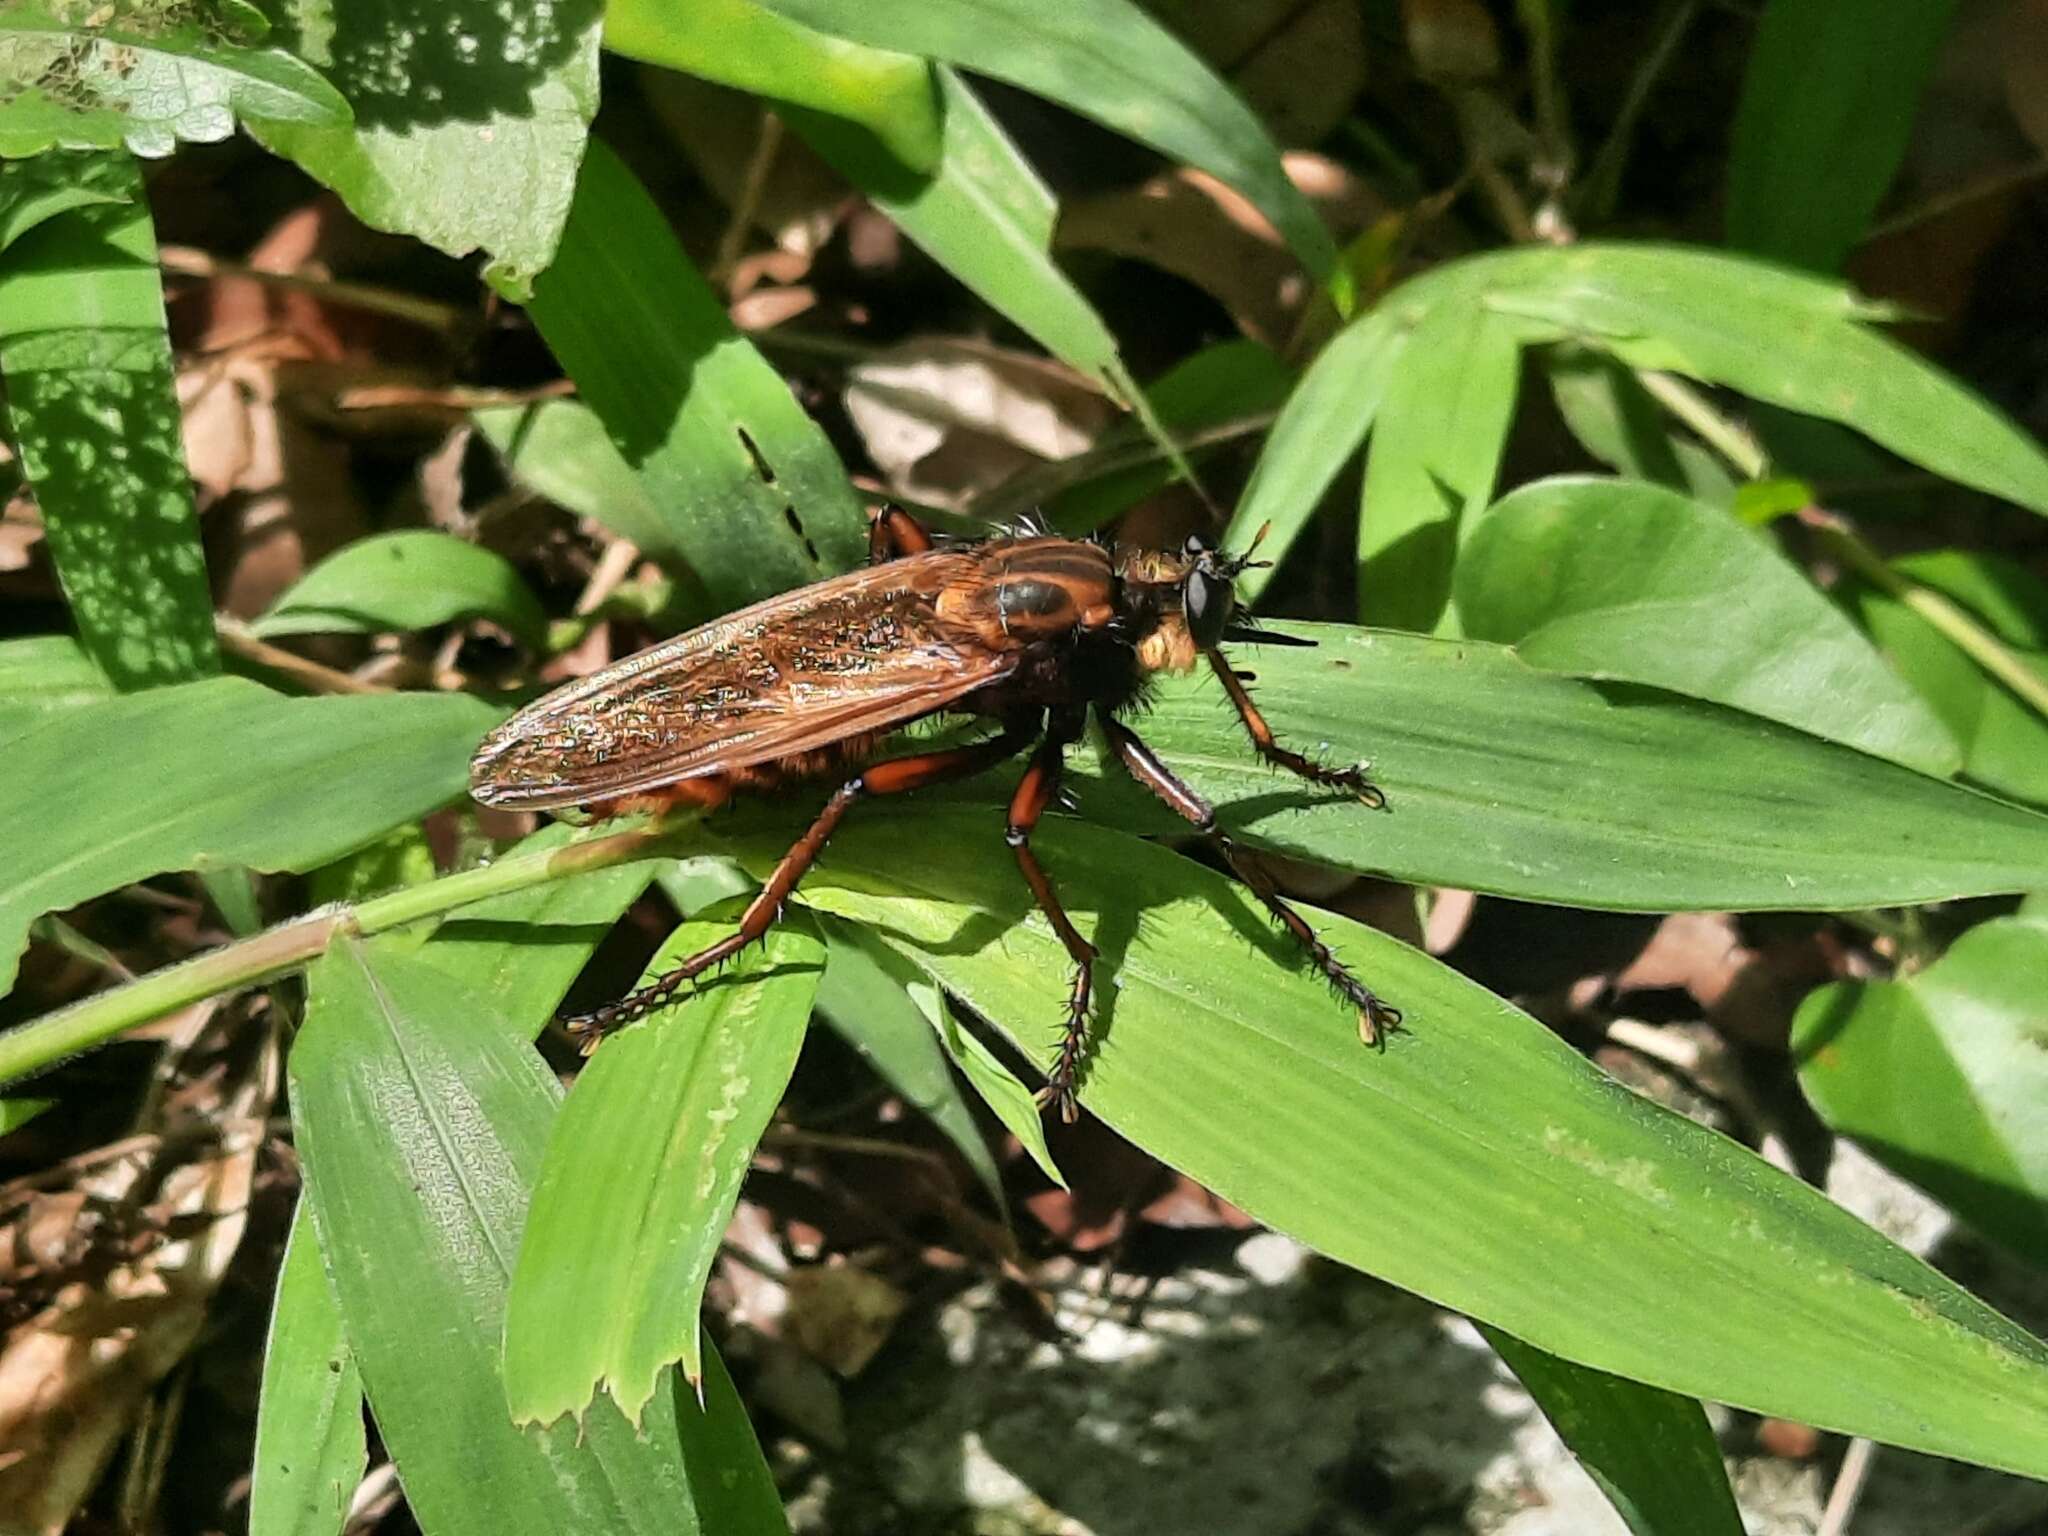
1038 788
1376 1019
1353 779
894 533
894 777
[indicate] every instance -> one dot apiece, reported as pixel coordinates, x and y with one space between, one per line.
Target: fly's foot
1059 1093
590 1029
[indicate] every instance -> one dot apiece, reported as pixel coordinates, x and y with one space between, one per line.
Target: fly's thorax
1029 590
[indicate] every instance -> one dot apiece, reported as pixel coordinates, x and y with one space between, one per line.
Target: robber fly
1032 632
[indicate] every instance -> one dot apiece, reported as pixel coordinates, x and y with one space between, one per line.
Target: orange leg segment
1376 1019
1352 779
893 777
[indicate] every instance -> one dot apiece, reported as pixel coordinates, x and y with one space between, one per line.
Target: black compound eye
1207 601
1194 547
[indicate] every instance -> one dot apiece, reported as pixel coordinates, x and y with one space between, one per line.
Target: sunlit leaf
232 774
1614 579
470 119
1479 1160
410 580
309 1420
641 1175
1941 1076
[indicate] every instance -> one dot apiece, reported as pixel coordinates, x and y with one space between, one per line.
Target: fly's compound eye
1207 601
1194 549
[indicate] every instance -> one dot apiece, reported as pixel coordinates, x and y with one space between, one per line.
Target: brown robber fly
1029 631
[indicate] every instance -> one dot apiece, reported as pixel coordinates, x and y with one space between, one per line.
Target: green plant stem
1730 439
1970 637
291 946
1735 444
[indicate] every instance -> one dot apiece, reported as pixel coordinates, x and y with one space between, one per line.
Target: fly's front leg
1039 787
1376 1019
894 777
1353 779
894 533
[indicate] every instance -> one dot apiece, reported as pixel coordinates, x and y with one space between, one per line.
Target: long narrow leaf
233 774
1437 444
1107 60
1828 101
757 498
87 365
984 215
422 1134
1652 1452
309 1420
1479 1161
640 1178
747 46
1504 778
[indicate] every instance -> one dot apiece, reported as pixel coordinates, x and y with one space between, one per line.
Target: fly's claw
1376 1021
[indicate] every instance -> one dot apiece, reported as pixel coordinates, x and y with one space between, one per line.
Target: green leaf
1008 1099
641 1176
309 1421
421 1125
982 214
1617 580
1320 427
1828 102
42 676
87 366
734 1491
2004 742
1942 1077
35 191
517 954
738 43
470 119
1506 779
559 448
1781 337
1437 443
1479 1161
1224 388
17 1112
1652 1453
863 997
1108 60
752 487
1617 422
232 774
141 77
411 580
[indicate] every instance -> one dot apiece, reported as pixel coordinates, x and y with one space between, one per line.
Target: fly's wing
862 652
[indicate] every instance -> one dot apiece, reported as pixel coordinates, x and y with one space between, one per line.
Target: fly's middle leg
1377 1018
1035 791
894 777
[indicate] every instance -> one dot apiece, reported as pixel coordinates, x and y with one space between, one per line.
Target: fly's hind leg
894 533
1354 779
1376 1018
1039 787
893 777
